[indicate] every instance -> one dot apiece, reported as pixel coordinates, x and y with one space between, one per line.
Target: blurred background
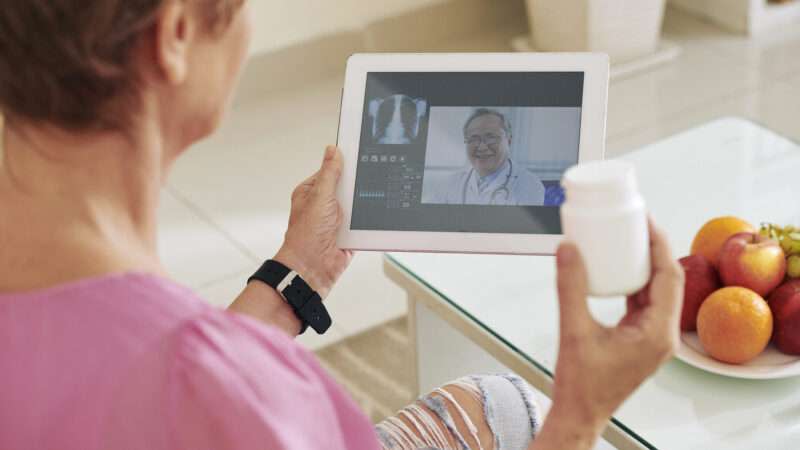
676 64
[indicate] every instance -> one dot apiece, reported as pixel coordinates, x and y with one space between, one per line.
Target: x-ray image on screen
396 118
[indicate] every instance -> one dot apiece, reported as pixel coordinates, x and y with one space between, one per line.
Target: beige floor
227 203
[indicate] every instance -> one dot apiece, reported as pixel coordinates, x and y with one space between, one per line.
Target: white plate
770 364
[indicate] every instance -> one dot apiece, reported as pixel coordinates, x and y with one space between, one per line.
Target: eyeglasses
489 139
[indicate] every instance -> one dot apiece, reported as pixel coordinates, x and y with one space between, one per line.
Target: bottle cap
612 176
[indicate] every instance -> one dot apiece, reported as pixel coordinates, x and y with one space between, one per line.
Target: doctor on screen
493 178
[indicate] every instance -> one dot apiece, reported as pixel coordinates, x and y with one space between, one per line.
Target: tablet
465 152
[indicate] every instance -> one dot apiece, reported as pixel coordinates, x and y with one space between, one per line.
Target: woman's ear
174 31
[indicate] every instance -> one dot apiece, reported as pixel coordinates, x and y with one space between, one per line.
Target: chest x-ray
396 119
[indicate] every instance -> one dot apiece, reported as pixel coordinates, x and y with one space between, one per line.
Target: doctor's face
487 144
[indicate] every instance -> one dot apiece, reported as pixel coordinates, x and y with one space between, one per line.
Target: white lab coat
524 188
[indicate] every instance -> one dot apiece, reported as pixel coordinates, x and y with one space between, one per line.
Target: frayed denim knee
508 406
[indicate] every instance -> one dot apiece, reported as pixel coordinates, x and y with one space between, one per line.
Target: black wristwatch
304 301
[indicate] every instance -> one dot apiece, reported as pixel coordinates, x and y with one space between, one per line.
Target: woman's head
93 64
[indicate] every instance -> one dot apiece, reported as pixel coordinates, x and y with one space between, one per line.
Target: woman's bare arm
262 302
309 247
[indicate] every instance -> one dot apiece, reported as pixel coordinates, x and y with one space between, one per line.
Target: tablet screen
466 151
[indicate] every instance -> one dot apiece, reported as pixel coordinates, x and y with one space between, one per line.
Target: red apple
785 306
752 261
701 281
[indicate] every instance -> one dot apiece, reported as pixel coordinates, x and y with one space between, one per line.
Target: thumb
574 315
328 176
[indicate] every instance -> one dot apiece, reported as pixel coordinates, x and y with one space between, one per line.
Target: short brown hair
64 62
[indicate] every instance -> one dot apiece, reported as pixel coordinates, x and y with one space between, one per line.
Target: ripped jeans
440 421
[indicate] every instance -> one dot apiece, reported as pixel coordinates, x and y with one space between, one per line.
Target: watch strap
271 272
304 301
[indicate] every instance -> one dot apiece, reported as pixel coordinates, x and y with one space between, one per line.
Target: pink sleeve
233 383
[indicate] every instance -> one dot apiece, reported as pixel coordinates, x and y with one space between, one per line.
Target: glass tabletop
727 167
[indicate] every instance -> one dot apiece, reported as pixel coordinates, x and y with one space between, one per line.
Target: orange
734 325
711 237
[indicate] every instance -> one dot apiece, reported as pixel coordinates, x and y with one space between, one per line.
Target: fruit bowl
770 364
741 300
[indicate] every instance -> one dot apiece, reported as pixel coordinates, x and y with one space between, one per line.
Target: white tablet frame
595 67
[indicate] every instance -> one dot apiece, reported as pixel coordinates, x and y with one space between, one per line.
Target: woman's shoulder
231 337
141 312
164 369
232 382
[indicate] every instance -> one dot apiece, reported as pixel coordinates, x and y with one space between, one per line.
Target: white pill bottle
604 215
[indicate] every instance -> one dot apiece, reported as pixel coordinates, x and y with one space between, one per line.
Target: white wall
281 23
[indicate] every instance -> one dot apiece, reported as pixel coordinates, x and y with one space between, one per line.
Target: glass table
473 313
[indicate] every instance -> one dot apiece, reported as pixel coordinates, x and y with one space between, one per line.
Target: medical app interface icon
475 152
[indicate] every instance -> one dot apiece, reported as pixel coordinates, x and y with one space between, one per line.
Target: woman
100 350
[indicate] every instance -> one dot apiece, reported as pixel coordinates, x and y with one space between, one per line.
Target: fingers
636 307
329 173
667 273
310 180
660 253
573 288
640 299
304 187
324 180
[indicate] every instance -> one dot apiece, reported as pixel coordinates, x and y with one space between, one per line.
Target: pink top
134 361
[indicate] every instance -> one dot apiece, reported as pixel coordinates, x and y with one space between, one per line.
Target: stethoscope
501 191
